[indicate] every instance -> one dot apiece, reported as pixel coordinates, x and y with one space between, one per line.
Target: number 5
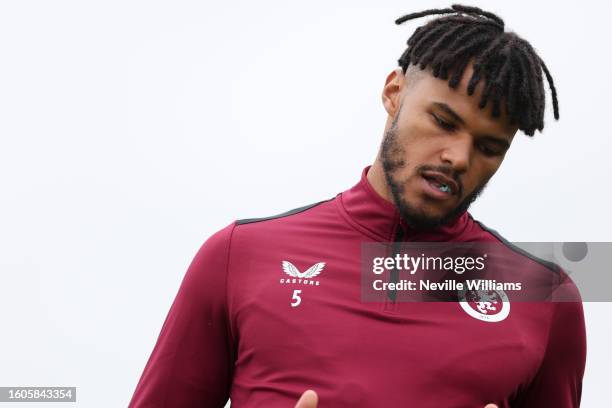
296 298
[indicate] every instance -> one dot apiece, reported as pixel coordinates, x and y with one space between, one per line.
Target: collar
370 213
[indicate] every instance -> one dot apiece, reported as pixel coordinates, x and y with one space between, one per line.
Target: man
271 307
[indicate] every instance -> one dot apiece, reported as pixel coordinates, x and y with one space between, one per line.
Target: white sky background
130 131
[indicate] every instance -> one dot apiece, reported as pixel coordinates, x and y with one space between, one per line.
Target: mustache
446 170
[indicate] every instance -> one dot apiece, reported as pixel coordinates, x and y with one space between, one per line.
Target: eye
442 123
487 151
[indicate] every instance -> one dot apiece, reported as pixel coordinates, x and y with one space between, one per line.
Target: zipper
390 301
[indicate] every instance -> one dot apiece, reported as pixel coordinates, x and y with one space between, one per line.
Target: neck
376 178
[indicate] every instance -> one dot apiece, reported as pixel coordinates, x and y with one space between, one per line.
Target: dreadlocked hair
508 65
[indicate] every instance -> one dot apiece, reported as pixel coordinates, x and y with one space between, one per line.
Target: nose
457 154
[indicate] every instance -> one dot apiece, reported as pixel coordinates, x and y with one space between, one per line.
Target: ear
392 91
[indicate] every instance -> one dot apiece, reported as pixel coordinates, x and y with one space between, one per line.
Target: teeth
445 188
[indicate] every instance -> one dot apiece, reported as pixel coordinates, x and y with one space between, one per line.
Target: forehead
427 89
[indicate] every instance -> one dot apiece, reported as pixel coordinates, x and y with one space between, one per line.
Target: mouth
438 186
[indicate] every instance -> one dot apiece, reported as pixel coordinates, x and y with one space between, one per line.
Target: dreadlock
508 65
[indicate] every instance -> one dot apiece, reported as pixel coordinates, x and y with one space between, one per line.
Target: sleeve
192 360
558 382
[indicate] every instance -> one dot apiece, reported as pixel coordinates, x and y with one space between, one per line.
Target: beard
392 158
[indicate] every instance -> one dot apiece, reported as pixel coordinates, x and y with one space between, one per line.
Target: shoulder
211 260
248 234
289 213
217 245
301 220
485 233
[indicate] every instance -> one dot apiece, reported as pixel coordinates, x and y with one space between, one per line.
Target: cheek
418 131
482 172
420 142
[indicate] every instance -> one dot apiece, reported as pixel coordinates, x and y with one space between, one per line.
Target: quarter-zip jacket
241 328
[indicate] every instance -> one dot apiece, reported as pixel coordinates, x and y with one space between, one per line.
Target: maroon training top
239 327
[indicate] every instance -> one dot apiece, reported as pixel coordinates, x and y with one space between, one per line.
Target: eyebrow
495 139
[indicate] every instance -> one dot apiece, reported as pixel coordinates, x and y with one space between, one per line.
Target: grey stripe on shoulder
550 265
285 214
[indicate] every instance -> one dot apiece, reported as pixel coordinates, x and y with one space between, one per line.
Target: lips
441 179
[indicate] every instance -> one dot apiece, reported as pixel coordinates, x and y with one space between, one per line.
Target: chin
434 216
424 211
431 211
